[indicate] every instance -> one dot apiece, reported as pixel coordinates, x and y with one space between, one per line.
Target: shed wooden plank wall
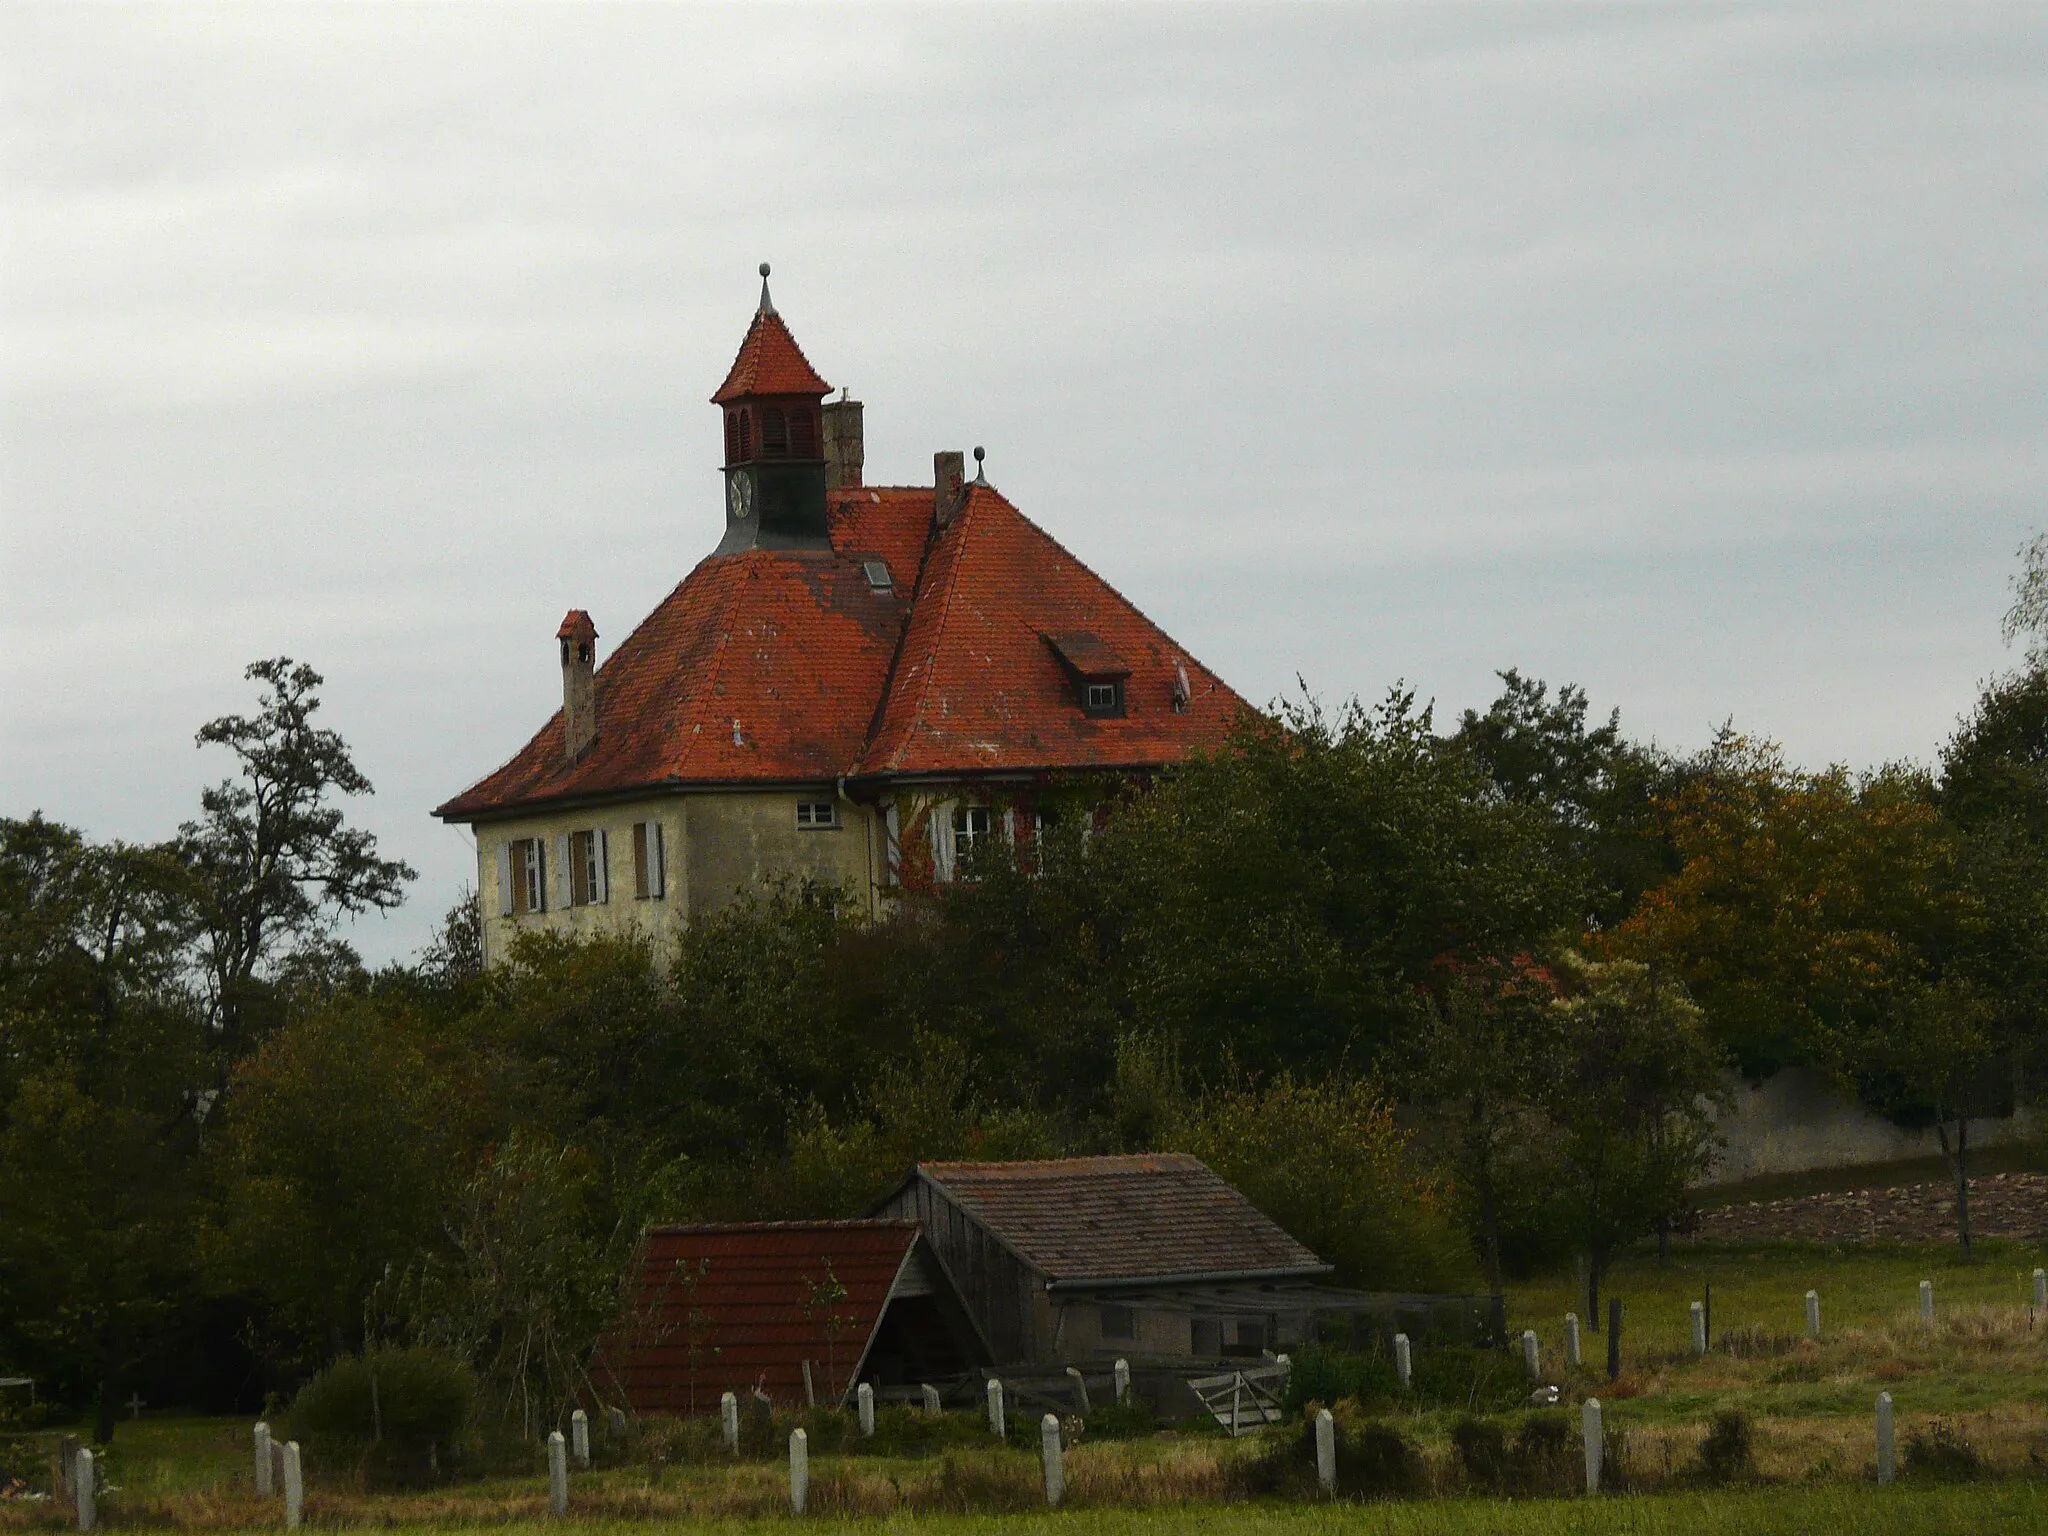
1003 1293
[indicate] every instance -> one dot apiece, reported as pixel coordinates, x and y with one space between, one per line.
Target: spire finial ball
764 269
979 455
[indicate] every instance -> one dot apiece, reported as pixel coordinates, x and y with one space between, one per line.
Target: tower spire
767 304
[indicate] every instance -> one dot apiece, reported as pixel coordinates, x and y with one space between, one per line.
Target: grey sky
1695 354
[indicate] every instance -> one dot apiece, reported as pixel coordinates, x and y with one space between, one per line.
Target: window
732 437
1251 1335
1103 698
525 877
803 435
970 826
587 874
816 814
878 575
774 434
1119 1324
746 435
648 873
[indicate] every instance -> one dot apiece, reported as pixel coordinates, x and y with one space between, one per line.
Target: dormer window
1095 670
1104 699
877 572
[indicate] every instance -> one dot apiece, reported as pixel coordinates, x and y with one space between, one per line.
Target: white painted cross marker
1887 1455
1813 1315
729 1421
558 1474
1326 1451
1926 1301
864 1400
87 1495
799 1470
1532 1359
1596 1444
294 1486
1122 1376
995 1407
1699 1329
1572 1355
579 1438
263 1479
1404 1361
1049 1451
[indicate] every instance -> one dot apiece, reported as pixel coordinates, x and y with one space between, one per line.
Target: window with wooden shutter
505 881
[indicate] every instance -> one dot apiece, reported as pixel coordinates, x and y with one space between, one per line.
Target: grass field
1981 1369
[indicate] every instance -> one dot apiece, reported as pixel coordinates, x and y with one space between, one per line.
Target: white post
1887 1454
1813 1315
931 1398
1080 1390
729 1421
864 1398
1326 1451
558 1474
2041 1290
294 1486
1596 1444
995 1407
1573 1356
264 1482
1049 1451
1926 1301
1123 1377
1699 1329
82 1482
579 1439
1532 1359
810 1392
1404 1361
799 1470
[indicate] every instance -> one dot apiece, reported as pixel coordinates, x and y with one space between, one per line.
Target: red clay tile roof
977 689
1086 654
1153 1216
769 363
759 1292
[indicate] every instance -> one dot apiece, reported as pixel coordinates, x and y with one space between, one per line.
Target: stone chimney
579 689
949 484
844 449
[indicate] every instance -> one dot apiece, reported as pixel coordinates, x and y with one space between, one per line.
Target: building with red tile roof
856 682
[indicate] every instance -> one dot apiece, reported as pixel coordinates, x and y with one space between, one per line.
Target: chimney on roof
844 450
949 484
579 687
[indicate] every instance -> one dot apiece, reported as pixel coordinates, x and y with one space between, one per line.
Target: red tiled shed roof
1155 1216
753 1301
769 363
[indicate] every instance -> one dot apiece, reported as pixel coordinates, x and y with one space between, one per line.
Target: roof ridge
946 610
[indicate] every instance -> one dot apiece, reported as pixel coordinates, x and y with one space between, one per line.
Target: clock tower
774 443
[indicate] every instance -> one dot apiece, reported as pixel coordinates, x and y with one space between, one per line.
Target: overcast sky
1692 353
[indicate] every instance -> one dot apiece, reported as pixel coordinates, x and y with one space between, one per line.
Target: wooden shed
761 1306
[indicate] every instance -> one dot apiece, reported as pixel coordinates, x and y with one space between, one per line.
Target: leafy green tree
275 856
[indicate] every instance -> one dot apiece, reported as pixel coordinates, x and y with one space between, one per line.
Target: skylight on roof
878 575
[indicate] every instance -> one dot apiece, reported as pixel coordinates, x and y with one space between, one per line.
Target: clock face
739 495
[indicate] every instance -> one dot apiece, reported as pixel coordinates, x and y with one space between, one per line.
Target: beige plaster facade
714 844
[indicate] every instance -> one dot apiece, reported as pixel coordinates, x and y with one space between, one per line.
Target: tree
1632 1104
277 861
2029 612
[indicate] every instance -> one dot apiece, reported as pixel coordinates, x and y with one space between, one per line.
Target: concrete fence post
810 1388
579 1439
1926 1301
864 1402
84 1493
1699 1329
1326 1451
1122 1377
799 1471
294 1486
729 1421
2041 1290
931 1398
1532 1356
1573 1356
996 1425
1049 1452
1404 1361
1813 1316
264 1482
616 1418
558 1474
1887 1450
1080 1386
1596 1442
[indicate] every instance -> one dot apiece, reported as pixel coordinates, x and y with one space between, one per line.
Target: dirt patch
2002 1205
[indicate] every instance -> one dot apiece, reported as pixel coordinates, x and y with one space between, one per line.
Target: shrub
1727 1454
1482 1447
1940 1453
1544 1460
393 1411
1451 1376
1120 1421
1374 1460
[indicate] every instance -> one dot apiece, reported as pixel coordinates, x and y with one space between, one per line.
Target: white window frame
650 873
808 818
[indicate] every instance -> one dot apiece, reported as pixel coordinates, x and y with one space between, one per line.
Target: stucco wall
714 845
1797 1120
